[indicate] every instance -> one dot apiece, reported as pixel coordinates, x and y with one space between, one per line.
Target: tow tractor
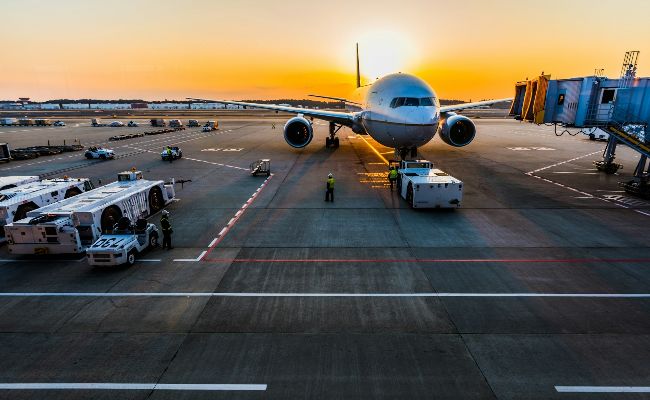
176 153
261 167
94 152
423 186
125 243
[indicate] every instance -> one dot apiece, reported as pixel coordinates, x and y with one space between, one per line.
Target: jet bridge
620 107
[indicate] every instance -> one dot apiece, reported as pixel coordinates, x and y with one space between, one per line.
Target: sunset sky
246 49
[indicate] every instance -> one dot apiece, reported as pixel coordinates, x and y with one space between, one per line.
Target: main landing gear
333 141
405 152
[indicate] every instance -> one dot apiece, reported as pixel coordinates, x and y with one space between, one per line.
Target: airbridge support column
608 165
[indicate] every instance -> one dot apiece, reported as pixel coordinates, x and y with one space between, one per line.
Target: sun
384 52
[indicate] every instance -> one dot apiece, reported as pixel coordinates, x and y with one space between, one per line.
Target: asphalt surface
540 281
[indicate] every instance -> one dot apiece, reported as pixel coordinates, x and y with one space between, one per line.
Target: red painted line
434 260
234 220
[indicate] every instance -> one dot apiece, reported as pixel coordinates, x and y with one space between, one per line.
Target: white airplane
399 111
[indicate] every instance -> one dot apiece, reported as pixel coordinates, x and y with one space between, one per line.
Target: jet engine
298 132
457 130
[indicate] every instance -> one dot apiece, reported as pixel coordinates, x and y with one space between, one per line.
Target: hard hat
165 212
330 175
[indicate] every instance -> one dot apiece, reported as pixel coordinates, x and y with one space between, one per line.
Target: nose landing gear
405 152
333 141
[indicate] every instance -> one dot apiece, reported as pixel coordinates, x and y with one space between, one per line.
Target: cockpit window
411 102
426 101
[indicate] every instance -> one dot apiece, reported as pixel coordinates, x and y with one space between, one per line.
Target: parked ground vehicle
72 225
176 153
597 134
175 123
132 124
213 125
59 123
158 122
207 129
423 186
116 124
124 244
42 122
97 122
5 152
16 202
99 153
193 123
8 121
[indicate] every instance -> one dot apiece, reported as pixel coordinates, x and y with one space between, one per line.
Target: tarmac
536 288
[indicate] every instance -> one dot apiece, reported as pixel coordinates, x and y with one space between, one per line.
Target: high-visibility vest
330 183
392 174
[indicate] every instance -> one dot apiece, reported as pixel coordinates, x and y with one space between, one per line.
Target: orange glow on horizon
157 50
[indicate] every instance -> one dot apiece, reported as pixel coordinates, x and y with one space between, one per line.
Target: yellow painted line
375 150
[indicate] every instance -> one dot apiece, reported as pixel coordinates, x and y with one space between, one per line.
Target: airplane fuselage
398 111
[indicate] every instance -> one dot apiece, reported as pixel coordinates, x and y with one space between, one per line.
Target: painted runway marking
327 295
434 260
602 389
133 386
234 219
375 150
563 162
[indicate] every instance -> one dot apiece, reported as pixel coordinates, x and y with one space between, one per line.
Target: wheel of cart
409 195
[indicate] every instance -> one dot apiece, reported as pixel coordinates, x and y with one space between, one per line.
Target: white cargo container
15 203
71 225
423 186
7 182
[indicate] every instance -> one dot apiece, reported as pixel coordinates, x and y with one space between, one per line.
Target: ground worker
273 125
392 177
166 230
329 193
169 154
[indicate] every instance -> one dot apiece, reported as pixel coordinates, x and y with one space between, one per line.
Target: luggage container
71 225
42 122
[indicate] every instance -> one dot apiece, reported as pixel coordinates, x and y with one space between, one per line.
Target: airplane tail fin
358 74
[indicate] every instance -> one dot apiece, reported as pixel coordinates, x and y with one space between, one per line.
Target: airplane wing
464 106
342 118
334 98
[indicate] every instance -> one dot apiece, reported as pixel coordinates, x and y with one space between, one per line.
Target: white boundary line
602 389
324 295
191 259
589 195
132 386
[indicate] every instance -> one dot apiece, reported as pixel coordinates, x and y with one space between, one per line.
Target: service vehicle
59 123
262 167
97 122
8 121
207 129
8 182
16 202
597 134
158 122
116 124
133 124
175 123
175 150
101 153
124 244
423 186
72 225
213 125
25 121
193 123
